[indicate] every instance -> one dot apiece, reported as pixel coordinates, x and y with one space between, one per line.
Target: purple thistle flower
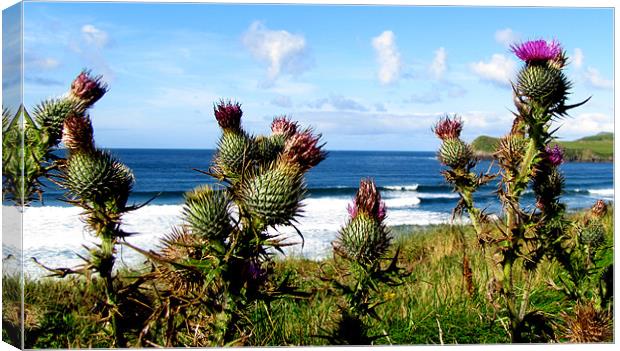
352 209
88 88
304 150
537 50
448 128
228 115
255 271
555 155
368 200
283 125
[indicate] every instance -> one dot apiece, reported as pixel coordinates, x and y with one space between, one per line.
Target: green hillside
599 147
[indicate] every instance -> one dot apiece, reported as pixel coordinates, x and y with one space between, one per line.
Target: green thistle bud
182 247
235 152
207 212
274 196
549 186
592 235
97 177
511 149
269 148
455 153
548 86
364 239
50 116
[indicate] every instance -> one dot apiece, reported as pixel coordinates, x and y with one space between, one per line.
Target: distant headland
594 148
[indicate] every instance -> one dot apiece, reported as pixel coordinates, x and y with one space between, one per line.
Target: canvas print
199 175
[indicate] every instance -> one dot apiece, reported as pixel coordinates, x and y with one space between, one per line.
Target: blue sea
410 182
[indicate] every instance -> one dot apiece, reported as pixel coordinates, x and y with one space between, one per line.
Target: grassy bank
433 306
596 148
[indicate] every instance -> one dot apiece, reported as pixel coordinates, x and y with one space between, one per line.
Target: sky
366 77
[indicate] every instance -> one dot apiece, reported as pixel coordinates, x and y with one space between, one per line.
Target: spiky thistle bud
549 186
599 210
87 88
77 133
207 212
228 115
50 116
284 126
448 128
547 86
555 155
97 177
303 150
270 147
537 51
592 234
456 154
511 150
235 151
364 239
274 196
183 249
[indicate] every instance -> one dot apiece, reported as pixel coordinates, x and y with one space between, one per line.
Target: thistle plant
27 163
94 180
363 244
218 263
528 234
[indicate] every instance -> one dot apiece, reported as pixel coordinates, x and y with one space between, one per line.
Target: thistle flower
448 128
77 133
228 115
254 273
364 238
304 150
555 155
284 126
537 50
88 88
368 201
599 209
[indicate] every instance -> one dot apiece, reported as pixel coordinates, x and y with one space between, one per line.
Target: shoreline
489 157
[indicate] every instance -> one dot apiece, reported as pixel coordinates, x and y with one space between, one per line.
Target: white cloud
584 124
506 37
595 79
388 57
578 58
499 69
438 67
283 51
94 36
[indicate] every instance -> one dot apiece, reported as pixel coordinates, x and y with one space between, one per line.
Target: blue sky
367 77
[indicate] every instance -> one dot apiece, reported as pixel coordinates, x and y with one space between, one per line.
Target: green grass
431 307
597 147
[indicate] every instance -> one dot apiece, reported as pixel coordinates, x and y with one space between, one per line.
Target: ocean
410 183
